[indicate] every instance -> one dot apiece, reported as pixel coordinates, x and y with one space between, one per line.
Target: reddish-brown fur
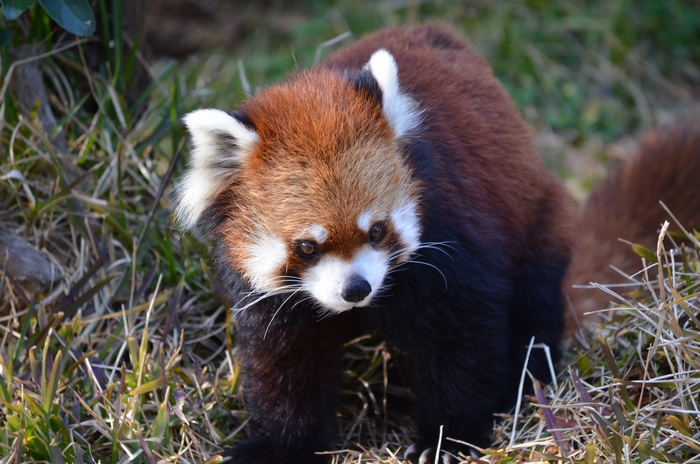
467 105
626 206
311 130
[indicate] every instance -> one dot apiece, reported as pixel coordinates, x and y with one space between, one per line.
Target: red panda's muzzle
340 284
356 290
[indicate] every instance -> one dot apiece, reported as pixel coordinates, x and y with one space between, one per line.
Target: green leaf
75 16
160 425
645 253
14 8
50 392
150 386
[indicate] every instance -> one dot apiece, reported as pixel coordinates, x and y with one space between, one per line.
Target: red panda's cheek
406 224
339 284
265 262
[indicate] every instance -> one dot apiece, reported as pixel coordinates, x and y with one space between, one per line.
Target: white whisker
280 307
437 246
292 288
434 267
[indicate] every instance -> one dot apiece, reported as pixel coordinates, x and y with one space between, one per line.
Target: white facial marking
326 280
400 110
405 220
221 143
364 220
267 256
318 233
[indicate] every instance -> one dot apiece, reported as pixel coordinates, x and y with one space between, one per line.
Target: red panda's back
482 146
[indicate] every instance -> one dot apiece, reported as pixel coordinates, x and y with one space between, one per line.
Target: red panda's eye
377 231
307 248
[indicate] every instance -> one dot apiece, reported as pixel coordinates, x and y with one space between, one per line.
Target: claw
425 456
411 451
227 455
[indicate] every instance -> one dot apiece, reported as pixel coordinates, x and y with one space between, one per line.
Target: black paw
246 453
418 454
253 451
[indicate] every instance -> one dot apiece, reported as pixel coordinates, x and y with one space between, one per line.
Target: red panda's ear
222 144
364 82
400 110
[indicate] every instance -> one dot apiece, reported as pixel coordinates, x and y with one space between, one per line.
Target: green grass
590 68
130 355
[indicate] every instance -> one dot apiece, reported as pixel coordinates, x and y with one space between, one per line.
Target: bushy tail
626 206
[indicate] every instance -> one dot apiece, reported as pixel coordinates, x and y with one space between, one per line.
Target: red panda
626 206
395 189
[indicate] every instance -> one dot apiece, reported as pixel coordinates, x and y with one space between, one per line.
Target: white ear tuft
399 109
221 146
207 126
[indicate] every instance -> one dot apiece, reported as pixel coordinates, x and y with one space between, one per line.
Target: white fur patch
325 281
267 256
406 221
365 220
221 143
400 110
318 233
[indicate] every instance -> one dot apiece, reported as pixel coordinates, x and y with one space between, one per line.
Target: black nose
356 290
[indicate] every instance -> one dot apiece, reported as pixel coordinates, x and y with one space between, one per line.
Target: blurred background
584 74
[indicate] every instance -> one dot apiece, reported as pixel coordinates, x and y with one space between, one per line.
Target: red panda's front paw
418 454
249 452
254 451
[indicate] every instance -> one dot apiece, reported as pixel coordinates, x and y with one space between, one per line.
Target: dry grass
632 395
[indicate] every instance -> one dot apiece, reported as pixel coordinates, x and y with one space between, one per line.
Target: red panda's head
317 196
